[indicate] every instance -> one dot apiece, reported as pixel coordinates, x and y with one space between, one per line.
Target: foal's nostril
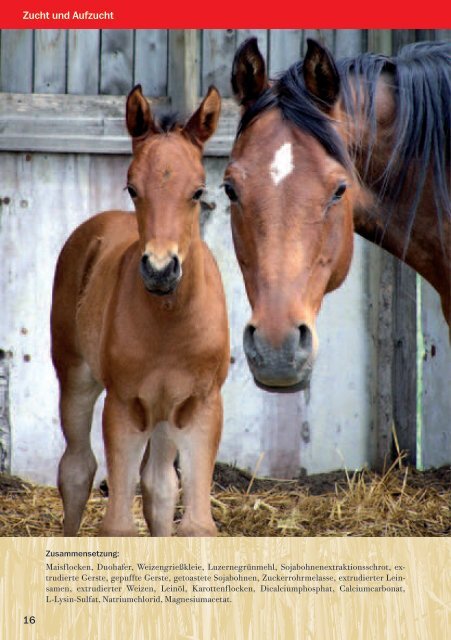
305 338
145 264
174 266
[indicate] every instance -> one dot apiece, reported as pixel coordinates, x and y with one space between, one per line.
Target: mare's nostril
305 338
287 364
248 336
249 345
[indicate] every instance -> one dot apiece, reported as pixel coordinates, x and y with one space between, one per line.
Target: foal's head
289 182
166 181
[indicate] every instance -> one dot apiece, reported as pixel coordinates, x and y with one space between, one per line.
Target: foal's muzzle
286 368
161 280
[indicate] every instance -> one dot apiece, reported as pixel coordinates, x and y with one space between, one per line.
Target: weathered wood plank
183 76
116 70
49 196
5 420
218 49
384 375
85 124
50 61
401 37
442 34
83 61
425 34
405 359
16 72
405 333
382 275
151 61
380 41
436 382
284 49
348 42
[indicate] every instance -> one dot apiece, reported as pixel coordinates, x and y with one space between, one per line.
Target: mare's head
290 182
166 181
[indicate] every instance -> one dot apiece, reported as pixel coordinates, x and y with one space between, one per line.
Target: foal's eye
197 195
339 192
132 192
230 192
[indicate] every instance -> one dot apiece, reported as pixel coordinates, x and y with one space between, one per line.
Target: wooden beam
183 77
404 370
405 333
394 288
85 124
381 276
5 424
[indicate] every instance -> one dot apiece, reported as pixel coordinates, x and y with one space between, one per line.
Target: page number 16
29 620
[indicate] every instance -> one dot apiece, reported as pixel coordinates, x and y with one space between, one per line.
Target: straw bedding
401 502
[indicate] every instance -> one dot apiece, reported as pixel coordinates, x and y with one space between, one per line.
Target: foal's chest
161 366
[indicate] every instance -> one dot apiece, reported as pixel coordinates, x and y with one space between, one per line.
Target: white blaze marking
282 165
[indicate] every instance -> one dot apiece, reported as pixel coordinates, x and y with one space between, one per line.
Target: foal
139 309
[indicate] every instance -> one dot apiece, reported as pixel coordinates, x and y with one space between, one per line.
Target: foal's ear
320 74
138 115
249 77
204 121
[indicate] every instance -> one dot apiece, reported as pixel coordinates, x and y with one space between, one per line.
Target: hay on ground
402 502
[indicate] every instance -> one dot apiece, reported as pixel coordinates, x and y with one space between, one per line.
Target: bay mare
330 147
139 309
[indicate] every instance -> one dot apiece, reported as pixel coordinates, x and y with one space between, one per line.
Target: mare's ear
321 75
204 121
249 77
138 115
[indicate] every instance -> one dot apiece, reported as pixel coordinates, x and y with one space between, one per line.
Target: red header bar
199 14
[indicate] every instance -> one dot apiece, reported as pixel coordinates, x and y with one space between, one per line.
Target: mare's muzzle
161 280
286 368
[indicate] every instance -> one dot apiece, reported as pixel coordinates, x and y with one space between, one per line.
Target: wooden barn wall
44 195
111 61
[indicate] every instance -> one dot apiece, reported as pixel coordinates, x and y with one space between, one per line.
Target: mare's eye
197 195
230 192
339 192
132 192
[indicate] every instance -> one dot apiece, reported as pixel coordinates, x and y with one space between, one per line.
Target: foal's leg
78 393
198 443
159 482
125 439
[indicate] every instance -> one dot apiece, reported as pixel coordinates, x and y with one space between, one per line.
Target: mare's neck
370 143
370 146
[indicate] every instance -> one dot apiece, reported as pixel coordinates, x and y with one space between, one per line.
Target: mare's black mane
421 78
